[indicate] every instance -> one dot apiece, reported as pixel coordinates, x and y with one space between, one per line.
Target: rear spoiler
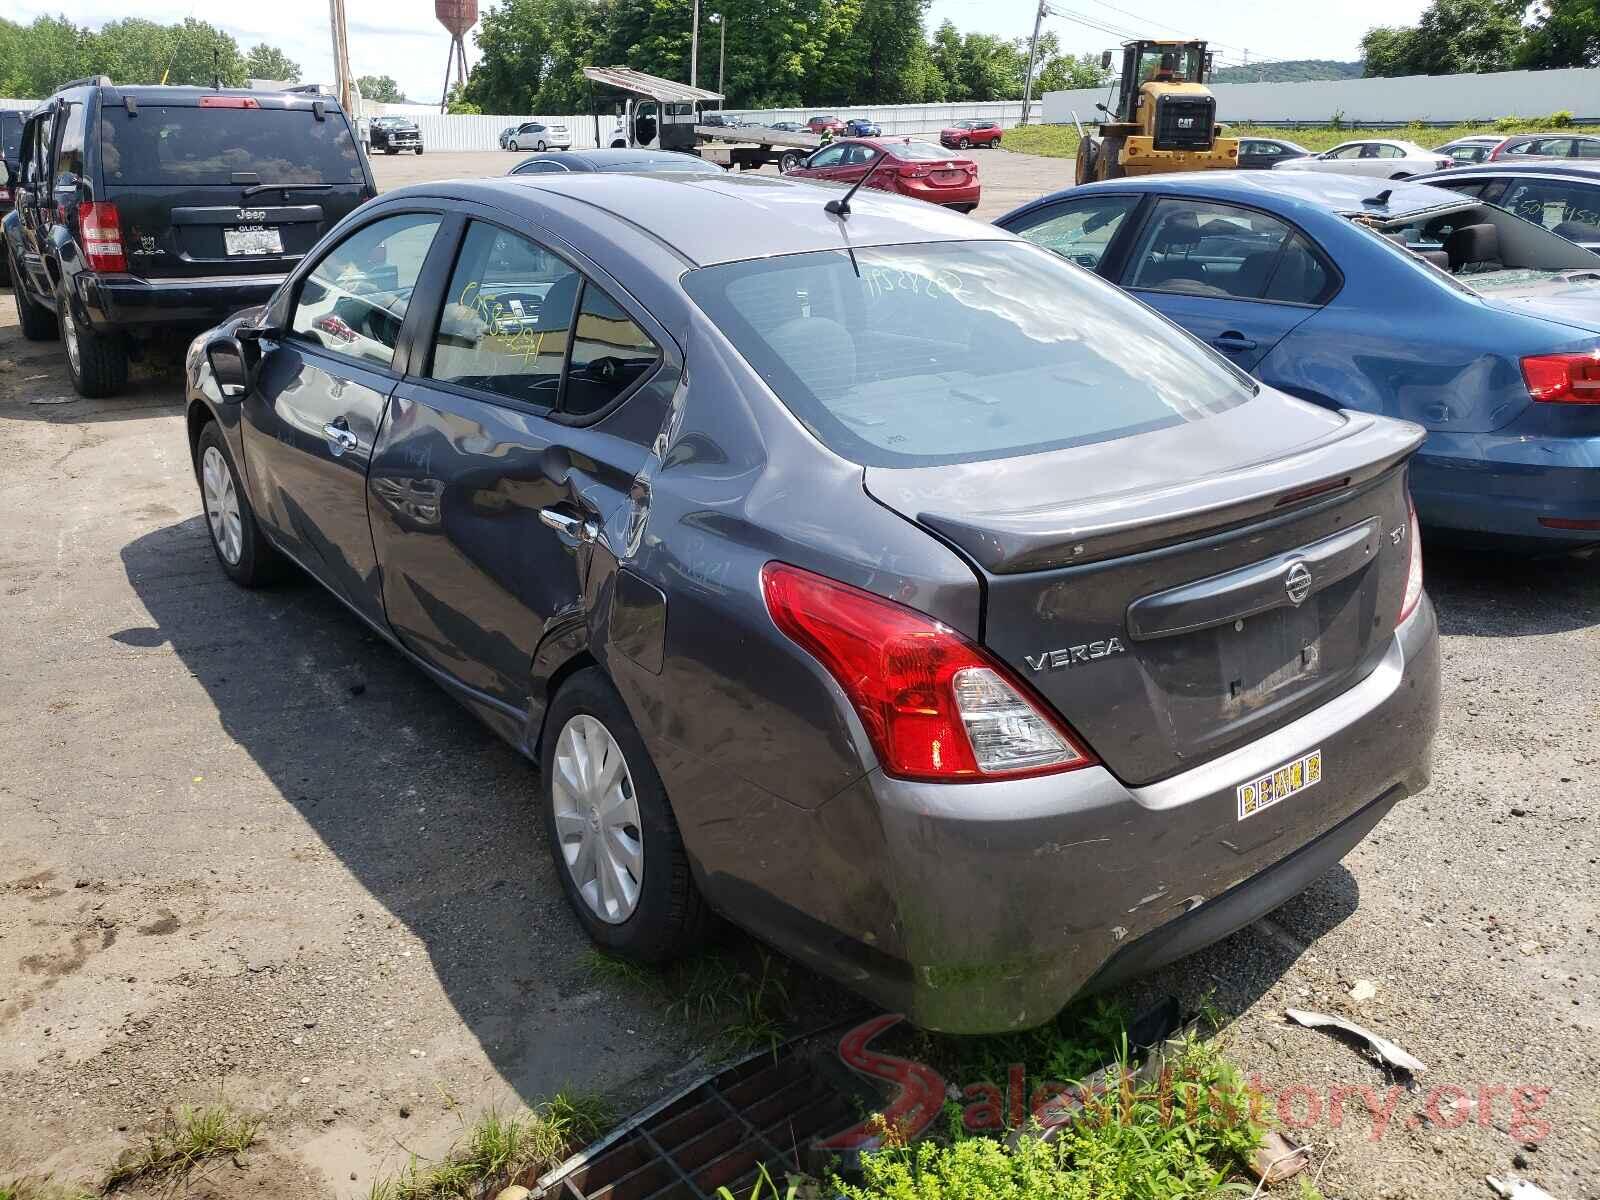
1039 538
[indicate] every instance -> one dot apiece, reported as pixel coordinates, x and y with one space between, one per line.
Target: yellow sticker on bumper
1279 784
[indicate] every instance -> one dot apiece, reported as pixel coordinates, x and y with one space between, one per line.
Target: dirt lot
245 849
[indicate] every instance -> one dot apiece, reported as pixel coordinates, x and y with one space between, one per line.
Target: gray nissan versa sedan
875 579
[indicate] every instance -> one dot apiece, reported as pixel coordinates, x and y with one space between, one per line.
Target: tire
255 563
97 362
668 917
419 151
1088 159
5 264
1107 164
539 148
391 150
963 143
789 160
38 322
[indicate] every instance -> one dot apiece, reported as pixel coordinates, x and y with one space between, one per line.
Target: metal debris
1513 1188
1381 1046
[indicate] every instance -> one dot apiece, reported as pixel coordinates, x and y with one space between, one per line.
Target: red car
820 122
971 133
918 169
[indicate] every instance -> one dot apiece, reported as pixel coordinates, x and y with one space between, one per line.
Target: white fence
1430 99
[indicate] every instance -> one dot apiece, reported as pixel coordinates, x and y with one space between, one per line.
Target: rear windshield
905 356
165 144
920 151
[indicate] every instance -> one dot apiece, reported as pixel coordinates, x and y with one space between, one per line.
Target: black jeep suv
147 211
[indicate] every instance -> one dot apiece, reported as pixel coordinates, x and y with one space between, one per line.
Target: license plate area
252 240
1278 784
948 177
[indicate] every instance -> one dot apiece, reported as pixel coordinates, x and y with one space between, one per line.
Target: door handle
338 432
1233 340
573 526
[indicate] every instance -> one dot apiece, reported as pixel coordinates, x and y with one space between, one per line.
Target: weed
759 1021
607 968
704 987
763 1185
28 1187
500 1147
184 1139
1309 1190
1189 1137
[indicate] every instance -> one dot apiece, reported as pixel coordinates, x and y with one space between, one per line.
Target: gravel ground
247 850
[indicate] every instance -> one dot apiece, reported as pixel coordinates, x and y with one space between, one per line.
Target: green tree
268 62
1452 37
1565 33
42 54
381 89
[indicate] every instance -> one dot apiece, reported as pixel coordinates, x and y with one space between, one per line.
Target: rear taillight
1443 163
914 172
1563 378
101 232
1414 567
935 706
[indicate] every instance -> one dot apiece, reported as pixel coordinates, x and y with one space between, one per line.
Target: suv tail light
101 231
1563 378
1414 567
935 706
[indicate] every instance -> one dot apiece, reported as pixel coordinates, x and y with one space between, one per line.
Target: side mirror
1105 60
226 356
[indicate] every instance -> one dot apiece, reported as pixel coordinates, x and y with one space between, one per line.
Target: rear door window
1202 249
507 318
610 353
166 145
1079 230
354 302
69 145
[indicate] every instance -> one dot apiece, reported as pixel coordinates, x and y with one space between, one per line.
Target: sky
400 37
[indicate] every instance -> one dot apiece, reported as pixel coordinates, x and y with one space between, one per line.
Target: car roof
1579 168
707 219
605 155
155 93
1287 190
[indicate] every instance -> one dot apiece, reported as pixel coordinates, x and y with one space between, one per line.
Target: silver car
536 135
1379 158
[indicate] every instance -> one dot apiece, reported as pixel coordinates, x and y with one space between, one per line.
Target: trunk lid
1571 298
207 191
1171 613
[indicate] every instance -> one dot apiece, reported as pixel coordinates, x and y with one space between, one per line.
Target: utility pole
694 48
722 56
1033 51
341 58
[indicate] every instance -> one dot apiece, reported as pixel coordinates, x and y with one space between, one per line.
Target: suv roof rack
87 81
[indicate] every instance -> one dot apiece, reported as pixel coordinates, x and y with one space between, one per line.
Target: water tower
457 16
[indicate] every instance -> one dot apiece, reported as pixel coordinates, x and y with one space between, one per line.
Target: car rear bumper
1497 489
948 196
1006 900
130 302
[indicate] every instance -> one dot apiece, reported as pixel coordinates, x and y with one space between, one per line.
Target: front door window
355 301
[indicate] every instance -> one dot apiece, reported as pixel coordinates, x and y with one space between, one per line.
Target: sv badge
1071 656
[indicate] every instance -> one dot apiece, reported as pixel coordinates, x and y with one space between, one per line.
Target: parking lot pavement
1008 179
243 846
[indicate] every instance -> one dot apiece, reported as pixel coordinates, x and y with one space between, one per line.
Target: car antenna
1381 200
841 206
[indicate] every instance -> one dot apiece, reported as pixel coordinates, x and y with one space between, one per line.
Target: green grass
1061 141
749 1003
183 1141
30 1187
1190 1137
499 1148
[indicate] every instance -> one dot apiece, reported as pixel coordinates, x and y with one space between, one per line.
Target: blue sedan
1385 297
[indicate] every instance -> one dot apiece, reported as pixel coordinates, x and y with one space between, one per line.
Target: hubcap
597 819
69 334
222 505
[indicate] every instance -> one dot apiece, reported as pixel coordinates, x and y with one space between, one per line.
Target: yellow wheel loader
1165 118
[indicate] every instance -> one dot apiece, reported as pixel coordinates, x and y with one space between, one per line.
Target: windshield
167 144
958 351
1170 64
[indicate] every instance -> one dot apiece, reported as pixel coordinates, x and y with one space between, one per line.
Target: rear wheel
244 552
612 834
97 362
1088 159
539 146
1108 162
963 143
790 159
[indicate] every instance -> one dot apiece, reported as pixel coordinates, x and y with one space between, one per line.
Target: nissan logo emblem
1297 582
